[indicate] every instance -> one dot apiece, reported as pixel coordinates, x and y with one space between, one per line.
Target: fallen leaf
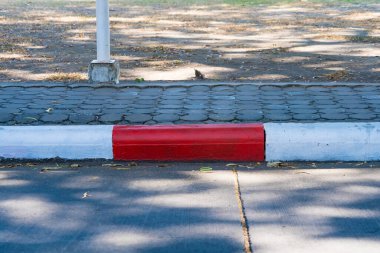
8 166
123 168
111 165
139 80
199 75
31 118
205 169
302 172
274 164
86 195
246 166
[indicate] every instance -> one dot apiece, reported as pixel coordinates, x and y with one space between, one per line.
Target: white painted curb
284 142
322 141
44 142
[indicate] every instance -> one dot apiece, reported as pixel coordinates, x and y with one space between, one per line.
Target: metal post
103 40
103 69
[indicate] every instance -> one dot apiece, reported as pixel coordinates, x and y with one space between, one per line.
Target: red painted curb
224 142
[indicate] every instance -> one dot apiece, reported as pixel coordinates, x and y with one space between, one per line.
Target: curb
213 142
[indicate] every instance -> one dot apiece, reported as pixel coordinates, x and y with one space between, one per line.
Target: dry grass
339 75
66 77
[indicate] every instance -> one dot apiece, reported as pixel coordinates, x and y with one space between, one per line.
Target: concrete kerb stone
336 141
153 84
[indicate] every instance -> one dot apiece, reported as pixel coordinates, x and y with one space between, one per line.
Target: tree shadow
315 209
287 43
126 210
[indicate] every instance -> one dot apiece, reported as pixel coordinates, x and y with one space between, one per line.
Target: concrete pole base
104 72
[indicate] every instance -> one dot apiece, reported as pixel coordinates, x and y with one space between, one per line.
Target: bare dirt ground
301 41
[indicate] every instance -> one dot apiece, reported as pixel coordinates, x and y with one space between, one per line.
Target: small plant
139 80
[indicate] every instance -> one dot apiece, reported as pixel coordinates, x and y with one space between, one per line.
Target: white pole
103 40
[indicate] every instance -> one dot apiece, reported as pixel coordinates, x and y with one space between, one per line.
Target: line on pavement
243 217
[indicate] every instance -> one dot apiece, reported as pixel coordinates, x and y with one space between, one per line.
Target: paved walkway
57 207
24 104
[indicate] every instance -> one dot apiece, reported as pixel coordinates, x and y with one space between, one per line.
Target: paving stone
146 102
362 116
245 97
196 117
140 106
150 91
316 88
200 88
162 111
197 98
309 106
173 96
332 110
222 88
148 97
364 88
64 107
304 111
223 107
6 96
320 106
111 118
375 109
172 102
223 102
90 111
54 117
359 111
166 118
279 112
309 116
334 116
5 117
174 89
138 118
247 87
196 111
196 106
273 102
168 106
278 117
81 118
104 111
27 118
251 116
9 110
299 102
93 102
276 107
82 106
325 102
355 106
108 106
221 117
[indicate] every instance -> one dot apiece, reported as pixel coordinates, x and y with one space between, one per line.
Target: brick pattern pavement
188 104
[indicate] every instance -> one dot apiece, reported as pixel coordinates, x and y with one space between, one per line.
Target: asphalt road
101 206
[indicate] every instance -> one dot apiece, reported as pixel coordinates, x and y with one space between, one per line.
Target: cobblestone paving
188 104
